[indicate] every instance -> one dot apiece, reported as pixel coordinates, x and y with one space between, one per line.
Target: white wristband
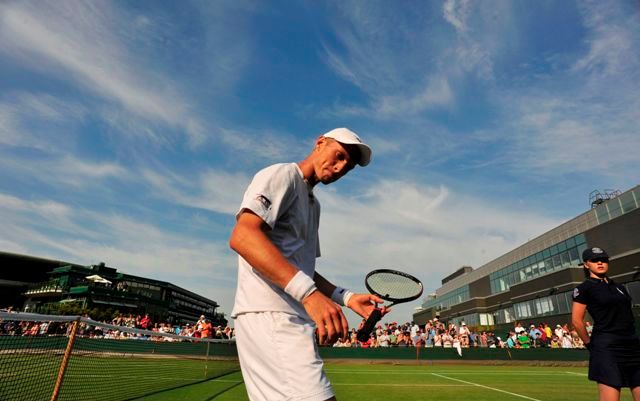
341 296
300 286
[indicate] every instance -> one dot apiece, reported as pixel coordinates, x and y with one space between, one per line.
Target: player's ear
320 141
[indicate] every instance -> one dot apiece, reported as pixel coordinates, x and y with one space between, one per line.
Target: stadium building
534 282
50 286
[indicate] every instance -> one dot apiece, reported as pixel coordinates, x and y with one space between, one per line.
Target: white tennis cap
348 137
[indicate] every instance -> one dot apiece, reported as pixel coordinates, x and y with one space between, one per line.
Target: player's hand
328 316
364 304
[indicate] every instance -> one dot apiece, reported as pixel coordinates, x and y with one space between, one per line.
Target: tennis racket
390 285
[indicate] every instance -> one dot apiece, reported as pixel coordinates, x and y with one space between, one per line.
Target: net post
65 359
206 361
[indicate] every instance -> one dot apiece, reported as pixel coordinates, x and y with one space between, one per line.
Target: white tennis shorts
279 358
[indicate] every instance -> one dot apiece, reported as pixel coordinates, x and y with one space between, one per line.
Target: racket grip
367 328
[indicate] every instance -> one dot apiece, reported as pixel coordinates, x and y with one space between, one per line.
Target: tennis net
45 357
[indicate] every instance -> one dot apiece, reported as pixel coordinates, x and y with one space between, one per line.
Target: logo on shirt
264 201
576 293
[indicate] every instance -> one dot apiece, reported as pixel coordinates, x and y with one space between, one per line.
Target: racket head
393 285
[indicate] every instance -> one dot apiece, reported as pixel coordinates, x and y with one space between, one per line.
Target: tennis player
280 299
614 359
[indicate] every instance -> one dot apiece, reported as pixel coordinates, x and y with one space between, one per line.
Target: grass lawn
444 382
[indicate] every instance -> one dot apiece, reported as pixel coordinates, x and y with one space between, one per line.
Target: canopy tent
98 279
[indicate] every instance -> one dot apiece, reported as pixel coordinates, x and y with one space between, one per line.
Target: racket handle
367 328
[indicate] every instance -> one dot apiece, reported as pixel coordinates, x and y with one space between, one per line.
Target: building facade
54 287
534 282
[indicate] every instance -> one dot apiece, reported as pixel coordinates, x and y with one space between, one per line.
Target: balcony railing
44 288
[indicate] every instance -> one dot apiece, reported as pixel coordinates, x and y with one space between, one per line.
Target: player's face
597 267
333 161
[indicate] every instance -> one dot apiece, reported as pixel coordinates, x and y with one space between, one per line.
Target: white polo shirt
280 195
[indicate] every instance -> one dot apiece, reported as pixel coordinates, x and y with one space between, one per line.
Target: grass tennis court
136 368
103 378
389 382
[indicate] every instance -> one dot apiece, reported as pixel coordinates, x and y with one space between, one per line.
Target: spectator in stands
566 341
473 339
559 332
145 322
483 339
393 338
548 331
414 333
44 326
228 333
464 332
206 329
373 341
534 335
447 340
576 340
384 339
456 342
437 339
453 330
543 340
518 328
523 339
118 320
512 340
130 321
353 337
403 339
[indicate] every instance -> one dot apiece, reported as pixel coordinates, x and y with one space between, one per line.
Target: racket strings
393 285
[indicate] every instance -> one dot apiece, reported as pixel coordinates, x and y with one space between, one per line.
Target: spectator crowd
433 334
451 335
202 328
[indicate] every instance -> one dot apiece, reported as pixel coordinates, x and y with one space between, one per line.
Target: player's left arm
362 304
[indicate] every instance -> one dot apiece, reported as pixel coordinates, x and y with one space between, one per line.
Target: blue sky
129 130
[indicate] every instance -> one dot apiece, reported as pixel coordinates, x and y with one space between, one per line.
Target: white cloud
583 120
576 142
612 38
436 93
407 72
213 190
38 120
392 65
456 13
65 171
265 144
86 44
427 231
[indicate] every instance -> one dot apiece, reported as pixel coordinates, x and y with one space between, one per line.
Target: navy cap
594 253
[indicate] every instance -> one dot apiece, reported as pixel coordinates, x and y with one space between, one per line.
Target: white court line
577 374
487 387
399 385
455 372
368 384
